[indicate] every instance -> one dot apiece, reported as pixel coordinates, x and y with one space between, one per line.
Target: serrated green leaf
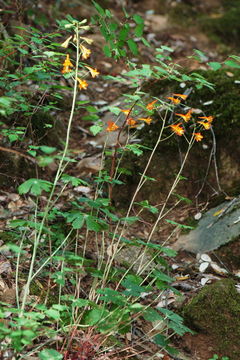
92 224
34 186
73 180
78 222
152 315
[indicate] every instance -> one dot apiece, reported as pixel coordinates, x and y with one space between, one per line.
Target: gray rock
217 227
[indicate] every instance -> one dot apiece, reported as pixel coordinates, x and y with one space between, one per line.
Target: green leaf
138 19
90 117
107 51
78 222
34 186
130 219
76 218
215 65
182 198
94 316
152 315
92 224
112 296
132 46
50 354
123 33
95 129
232 64
53 314
114 109
145 42
179 225
99 9
45 160
160 340
161 276
73 180
91 109
132 287
138 31
47 149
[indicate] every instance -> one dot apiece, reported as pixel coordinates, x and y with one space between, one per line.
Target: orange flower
147 120
93 72
131 122
198 136
85 52
111 126
177 129
126 112
67 65
150 106
186 117
208 118
82 84
182 96
174 100
206 125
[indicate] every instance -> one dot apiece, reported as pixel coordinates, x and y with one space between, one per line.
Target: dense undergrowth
73 299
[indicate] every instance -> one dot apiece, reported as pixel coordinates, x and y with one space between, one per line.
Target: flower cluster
179 129
131 122
85 54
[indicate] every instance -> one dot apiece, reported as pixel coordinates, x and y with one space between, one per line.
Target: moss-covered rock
216 311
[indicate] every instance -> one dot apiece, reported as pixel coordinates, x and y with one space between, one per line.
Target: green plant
59 237
215 357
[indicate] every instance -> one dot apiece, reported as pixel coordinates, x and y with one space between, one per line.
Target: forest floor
160 29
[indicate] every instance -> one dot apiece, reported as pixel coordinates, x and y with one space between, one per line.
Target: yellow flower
93 72
186 117
174 100
82 84
66 42
150 106
147 120
182 96
67 65
198 136
89 41
208 118
85 52
177 129
111 126
206 125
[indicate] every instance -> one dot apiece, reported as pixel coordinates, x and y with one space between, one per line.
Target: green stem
57 177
